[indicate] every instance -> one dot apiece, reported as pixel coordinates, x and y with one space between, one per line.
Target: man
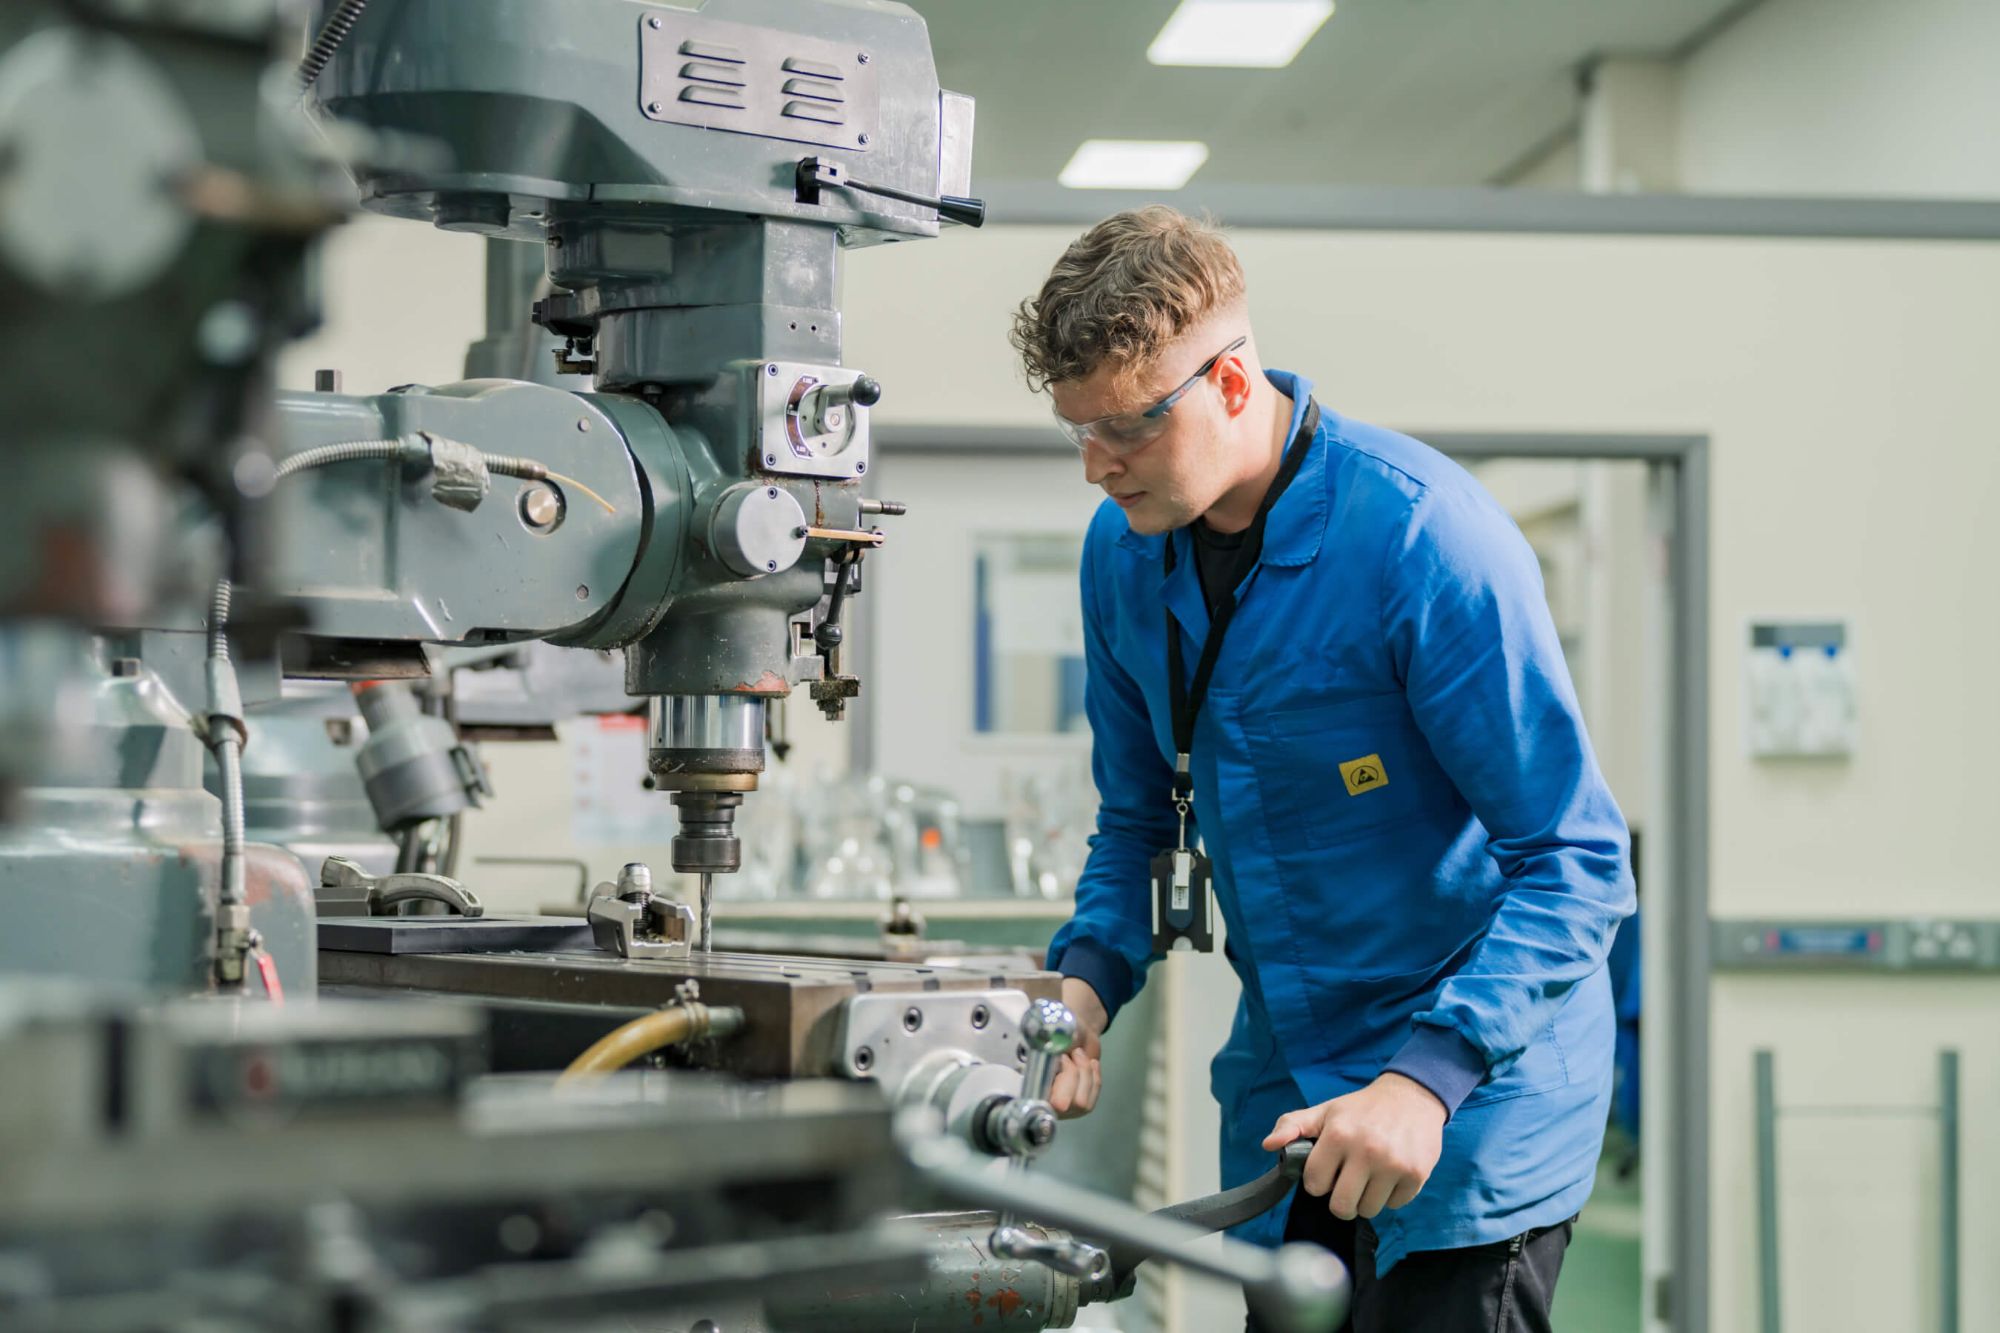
1416 860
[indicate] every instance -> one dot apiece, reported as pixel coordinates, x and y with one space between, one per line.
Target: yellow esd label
1364 774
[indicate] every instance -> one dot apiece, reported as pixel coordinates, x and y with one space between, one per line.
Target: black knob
828 637
957 208
865 392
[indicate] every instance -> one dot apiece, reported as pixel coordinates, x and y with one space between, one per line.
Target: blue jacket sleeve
1469 631
1109 941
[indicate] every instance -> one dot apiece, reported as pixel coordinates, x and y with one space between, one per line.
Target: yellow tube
642 1036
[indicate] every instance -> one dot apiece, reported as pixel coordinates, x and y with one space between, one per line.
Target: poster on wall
610 804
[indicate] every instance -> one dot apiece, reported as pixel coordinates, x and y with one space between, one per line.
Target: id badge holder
1183 904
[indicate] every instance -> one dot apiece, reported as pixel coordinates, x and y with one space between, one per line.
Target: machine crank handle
857 536
1300 1288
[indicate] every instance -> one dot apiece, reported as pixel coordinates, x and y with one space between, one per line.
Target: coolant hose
642 1036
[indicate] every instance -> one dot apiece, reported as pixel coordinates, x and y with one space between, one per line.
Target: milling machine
689 177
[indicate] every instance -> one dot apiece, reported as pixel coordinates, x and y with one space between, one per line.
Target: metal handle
1049 1029
1074 1257
1228 1208
1301 1288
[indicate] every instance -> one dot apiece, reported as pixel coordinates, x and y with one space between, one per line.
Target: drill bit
707 901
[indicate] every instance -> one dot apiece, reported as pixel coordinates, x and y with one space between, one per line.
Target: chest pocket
1342 772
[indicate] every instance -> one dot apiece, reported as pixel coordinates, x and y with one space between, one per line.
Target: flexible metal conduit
331 34
325 455
642 1036
228 752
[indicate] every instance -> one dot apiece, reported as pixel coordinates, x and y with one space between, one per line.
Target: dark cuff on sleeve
1444 1062
1104 970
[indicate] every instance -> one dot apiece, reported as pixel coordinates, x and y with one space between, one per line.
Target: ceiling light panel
1241 34
1133 164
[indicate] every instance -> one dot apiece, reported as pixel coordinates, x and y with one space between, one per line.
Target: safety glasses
1124 433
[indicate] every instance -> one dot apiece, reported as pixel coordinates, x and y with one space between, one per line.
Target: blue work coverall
1416 858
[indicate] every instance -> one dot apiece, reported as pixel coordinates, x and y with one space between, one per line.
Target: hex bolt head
653 21
913 1018
864 1059
861 139
861 59
981 1016
653 107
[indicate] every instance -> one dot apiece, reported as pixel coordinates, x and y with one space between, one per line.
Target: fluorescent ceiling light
1247 34
1133 164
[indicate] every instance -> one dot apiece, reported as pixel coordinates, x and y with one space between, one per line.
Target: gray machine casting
691 178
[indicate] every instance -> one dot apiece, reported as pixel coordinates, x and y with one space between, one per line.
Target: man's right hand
1079 1078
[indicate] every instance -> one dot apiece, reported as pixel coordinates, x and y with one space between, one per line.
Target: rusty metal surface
791 1005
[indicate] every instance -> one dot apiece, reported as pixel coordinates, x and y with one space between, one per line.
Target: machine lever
859 536
817 173
1228 1208
1300 1288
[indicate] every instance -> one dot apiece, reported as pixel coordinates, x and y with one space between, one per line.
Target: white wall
1847 97
1846 388
402 300
920 657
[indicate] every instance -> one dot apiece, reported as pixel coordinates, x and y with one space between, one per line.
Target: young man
1416 860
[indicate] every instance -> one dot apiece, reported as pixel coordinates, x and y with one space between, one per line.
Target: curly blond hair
1122 293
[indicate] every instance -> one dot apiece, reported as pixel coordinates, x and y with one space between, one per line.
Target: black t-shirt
1223 559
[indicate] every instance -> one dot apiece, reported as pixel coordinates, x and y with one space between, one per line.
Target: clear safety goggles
1124 433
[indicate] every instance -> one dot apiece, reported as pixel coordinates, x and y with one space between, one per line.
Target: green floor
1599 1288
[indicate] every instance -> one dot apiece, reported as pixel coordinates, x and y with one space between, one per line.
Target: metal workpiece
757 530
413 765
614 106
345 889
967 1287
632 921
548 1006
365 550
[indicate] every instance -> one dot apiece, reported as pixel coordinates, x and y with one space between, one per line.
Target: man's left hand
1376 1147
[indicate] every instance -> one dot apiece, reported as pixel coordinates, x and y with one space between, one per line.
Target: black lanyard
1188 699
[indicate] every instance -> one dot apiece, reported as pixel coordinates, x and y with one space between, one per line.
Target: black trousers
1504 1287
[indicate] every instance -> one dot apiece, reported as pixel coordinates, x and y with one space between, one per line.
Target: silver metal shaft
707 903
